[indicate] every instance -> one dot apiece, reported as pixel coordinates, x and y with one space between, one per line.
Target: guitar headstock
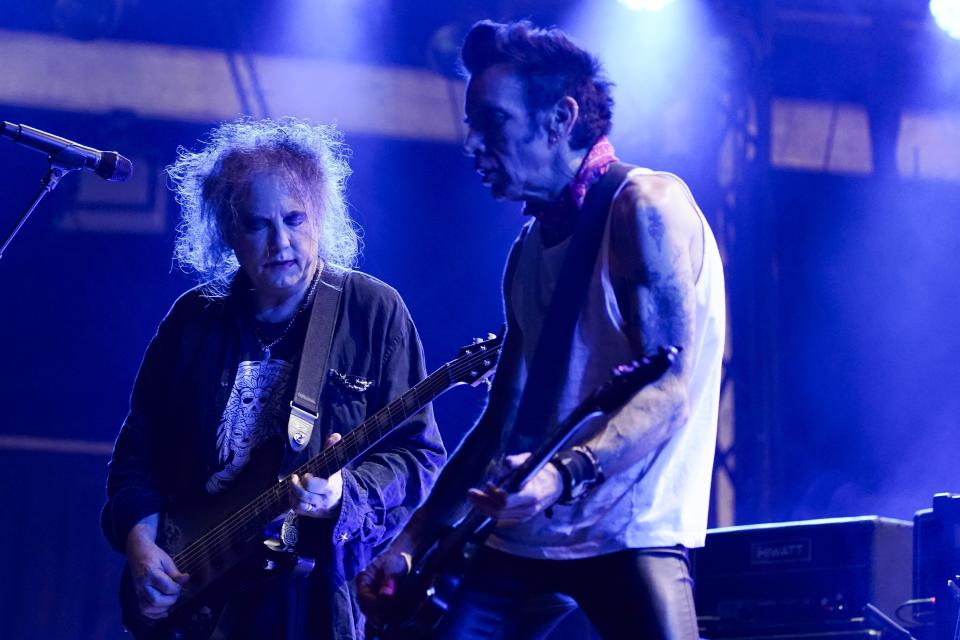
627 379
476 362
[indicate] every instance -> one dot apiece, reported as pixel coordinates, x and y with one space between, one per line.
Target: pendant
266 353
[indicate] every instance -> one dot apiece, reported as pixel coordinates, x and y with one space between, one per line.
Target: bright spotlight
947 15
647 5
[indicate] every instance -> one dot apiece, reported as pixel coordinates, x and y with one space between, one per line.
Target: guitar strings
395 413
322 463
324 459
225 531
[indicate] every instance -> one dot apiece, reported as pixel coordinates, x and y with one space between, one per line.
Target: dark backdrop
868 344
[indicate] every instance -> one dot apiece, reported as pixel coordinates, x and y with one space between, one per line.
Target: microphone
109 165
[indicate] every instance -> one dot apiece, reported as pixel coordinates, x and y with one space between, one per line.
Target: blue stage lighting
645 5
947 15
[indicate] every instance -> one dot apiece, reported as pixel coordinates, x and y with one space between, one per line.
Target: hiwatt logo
778 551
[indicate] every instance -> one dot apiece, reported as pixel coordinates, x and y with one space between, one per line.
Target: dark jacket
166 449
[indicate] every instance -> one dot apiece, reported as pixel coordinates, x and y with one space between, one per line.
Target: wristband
565 476
584 450
579 469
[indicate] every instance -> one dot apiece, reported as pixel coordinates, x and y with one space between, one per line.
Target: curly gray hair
212 184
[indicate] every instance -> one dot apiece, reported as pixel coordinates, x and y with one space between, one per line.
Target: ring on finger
307 506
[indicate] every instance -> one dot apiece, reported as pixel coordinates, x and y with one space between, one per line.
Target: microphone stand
48 184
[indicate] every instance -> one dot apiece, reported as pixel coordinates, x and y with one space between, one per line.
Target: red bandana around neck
594 165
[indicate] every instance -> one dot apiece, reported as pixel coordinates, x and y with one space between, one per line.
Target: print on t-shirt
254 411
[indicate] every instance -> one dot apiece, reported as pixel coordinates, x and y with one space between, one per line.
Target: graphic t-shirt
257 406
255 410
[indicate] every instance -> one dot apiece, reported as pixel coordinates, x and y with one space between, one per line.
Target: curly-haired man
264 225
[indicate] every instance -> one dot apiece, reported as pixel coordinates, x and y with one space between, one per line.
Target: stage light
645 5
947 15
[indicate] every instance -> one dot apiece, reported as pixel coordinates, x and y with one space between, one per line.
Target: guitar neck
474 526
626 380
559 437
267 506
473 365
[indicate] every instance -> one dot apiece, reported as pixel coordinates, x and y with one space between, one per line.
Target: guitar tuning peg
491 336
477 340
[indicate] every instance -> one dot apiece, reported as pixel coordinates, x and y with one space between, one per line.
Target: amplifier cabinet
811 572
937 559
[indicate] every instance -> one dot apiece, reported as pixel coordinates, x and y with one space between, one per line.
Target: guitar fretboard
251 520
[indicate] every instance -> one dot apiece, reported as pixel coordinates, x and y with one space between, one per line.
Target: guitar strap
305 406
549 366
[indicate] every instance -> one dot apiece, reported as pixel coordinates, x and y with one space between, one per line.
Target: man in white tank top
607 524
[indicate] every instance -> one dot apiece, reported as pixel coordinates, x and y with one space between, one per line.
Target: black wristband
578 473
565 477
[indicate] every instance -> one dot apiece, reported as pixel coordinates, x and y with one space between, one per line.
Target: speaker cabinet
801 575
937 559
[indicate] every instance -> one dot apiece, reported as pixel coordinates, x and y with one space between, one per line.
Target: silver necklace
266 347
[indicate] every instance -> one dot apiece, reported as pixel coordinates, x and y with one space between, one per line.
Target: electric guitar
421 599
224 551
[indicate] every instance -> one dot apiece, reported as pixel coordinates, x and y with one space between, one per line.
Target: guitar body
200 610
198 623
424 596
423 614
241 559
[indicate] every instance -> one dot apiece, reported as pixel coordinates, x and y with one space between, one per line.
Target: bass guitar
421 599
224 551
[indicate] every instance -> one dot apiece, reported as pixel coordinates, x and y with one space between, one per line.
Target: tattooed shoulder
655 226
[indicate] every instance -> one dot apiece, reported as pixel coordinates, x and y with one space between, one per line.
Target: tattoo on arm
660 295
656 228
666 302
664 313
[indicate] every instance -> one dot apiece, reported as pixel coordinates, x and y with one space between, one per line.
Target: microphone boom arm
48 184
65 156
